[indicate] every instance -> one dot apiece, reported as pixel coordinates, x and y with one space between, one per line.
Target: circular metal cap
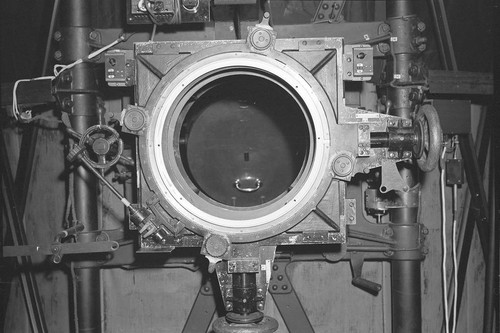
342 165
134 120
100 146
261 39
216 245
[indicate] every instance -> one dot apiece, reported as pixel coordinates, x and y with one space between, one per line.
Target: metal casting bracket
391 178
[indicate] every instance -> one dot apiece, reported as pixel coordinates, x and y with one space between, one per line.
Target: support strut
405 273
81 103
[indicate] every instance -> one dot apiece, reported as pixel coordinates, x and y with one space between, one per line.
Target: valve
428 138
103 146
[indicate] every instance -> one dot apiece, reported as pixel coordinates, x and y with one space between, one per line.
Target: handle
256 181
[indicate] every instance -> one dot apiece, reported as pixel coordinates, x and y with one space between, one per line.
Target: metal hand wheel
429 138
103 146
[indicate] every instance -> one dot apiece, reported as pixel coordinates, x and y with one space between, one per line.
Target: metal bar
489 294
446 28
75 29
467 83
475 181
286 300
28 281
474 213
321 214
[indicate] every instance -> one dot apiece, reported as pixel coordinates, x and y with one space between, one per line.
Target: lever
357 260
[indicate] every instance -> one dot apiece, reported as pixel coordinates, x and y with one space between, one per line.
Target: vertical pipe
75 28
405 274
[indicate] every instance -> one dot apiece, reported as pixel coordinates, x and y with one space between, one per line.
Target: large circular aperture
238 142
244 139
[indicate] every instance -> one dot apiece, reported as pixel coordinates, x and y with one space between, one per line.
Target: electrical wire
58 69
454 243
444 244
15 108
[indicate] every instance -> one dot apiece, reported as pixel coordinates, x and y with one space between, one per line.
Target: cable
454 243
444 243
15 108
58 69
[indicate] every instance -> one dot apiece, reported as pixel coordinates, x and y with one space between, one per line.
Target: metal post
75 29
405 273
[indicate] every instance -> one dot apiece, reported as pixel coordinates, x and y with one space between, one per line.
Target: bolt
425 231
413 70
349 73
274 287
336 6
260 291
93 35
304 42
57 36
349 59
425 250
58 55
391 154
351 218
405 188
421 26
325 6
229 306
389 253
366 170
351 204
388 232
260 306
280 277
67 103
284 287
275 267
385 27
422 47
207 289
321 16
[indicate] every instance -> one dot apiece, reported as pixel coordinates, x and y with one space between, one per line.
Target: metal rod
75 28
321 214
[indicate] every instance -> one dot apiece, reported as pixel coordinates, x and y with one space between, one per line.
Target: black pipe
405 288
244 293
405 274
75 29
